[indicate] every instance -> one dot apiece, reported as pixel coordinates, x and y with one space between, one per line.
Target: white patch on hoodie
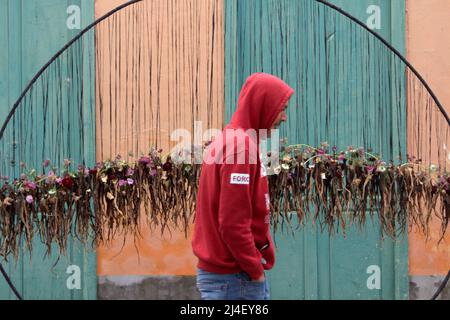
240 178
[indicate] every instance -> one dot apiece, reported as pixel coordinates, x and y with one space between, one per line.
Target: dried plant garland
106 202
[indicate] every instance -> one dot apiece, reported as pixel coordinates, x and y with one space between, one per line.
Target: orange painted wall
428 49
185 41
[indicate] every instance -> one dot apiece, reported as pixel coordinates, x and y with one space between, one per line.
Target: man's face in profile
281 117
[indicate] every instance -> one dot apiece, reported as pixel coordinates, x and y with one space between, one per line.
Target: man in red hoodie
231 235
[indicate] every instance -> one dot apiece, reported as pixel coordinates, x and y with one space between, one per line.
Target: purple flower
58 180
145 160
121 182
321 151
153 172
46 163
334 148
29 199
130 181
341 157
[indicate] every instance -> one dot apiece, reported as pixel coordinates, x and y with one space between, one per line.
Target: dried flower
30 185
145 160
29 199
8 201
67 182
381 169
66 163
370 169
167 166
130 172
277 170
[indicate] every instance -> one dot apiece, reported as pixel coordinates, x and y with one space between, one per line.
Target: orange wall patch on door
159 68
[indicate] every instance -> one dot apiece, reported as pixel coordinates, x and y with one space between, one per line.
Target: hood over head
261 99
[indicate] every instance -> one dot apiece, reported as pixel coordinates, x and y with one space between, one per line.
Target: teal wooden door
30 33
345 96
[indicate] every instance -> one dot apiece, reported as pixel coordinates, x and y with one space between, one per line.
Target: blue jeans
236 286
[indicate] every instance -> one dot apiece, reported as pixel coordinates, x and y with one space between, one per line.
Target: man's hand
260 279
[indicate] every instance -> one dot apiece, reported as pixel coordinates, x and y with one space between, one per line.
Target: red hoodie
231 230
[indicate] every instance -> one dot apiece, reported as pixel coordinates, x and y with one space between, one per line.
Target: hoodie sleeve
235 216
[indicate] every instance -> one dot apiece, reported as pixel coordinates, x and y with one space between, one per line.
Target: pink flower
58 180
145 160
361 152
341 157
29 199
130 172
153 172
46 163
30 185
66 163
370 169
50 177
121 182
